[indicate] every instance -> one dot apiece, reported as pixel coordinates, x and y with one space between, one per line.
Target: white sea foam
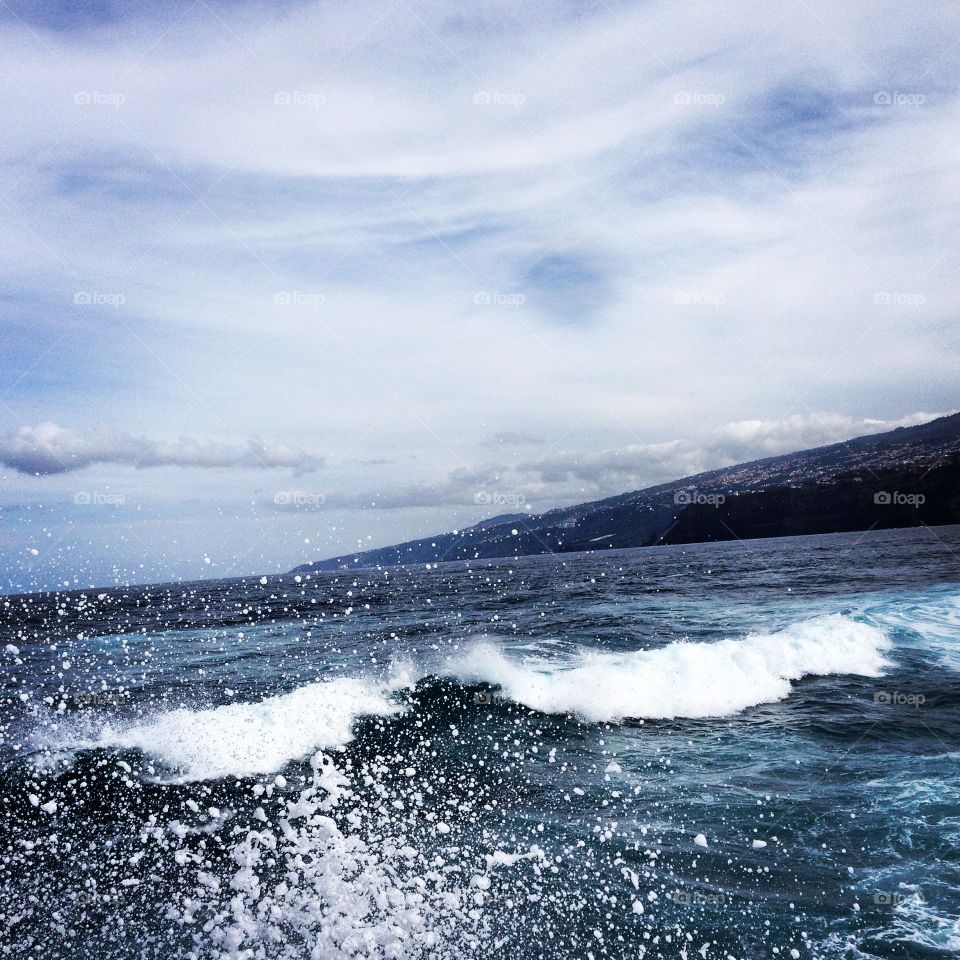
917 922
679 680
913 927
247 738
682 679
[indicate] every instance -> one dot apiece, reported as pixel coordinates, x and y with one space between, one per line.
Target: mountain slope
840 484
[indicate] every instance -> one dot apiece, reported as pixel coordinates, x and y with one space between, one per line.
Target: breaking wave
241 739
684 679
680 680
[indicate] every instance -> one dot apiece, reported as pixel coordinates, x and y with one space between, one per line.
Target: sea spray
306 885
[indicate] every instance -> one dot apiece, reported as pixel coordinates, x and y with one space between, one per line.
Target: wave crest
249 738
683 679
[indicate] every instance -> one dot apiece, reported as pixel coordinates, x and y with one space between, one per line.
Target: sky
282 280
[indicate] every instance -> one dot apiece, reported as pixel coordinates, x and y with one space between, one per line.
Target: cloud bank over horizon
548 480
563 478
557 251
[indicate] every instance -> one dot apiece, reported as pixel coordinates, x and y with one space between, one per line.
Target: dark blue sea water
732 750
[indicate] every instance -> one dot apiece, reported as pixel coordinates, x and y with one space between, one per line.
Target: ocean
734 750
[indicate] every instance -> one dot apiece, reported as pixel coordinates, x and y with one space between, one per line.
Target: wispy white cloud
48 448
